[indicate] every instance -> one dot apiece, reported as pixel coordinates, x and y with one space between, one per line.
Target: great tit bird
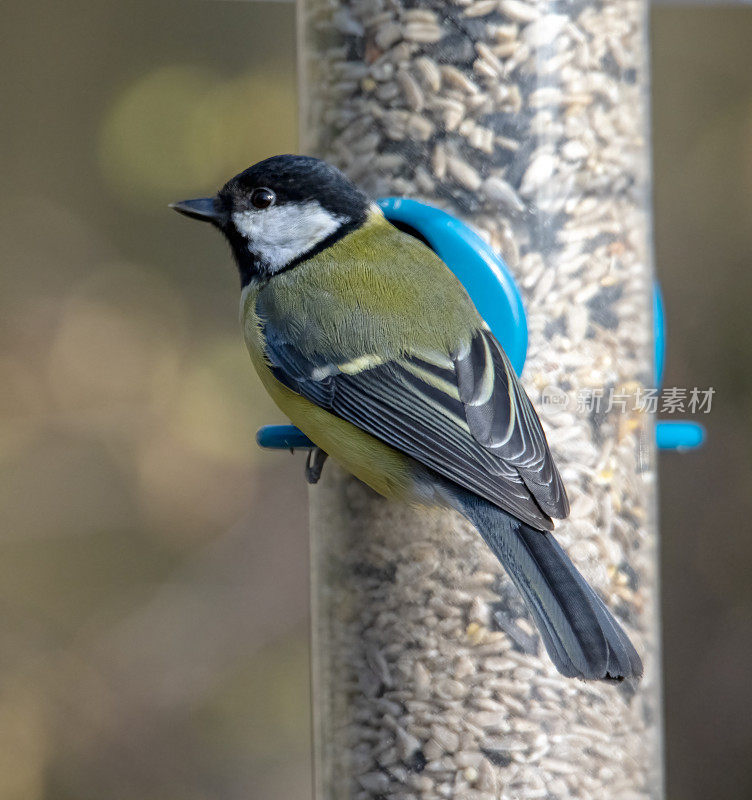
372 347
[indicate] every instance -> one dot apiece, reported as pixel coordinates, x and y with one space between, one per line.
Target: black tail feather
580 634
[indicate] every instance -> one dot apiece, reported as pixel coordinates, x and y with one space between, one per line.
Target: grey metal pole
529 120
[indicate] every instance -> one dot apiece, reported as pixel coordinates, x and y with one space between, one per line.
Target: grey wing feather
384 403
502 418
419 406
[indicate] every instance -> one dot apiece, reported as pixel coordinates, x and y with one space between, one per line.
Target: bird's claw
314 464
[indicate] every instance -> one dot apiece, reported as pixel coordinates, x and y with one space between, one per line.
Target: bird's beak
203 208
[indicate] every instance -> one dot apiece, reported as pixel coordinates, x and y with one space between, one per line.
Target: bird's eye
262 198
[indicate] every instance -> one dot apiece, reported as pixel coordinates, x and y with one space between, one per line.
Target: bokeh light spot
183 129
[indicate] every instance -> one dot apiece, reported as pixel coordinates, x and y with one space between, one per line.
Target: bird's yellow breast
384 469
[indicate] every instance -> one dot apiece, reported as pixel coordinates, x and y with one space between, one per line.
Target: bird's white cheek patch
279 234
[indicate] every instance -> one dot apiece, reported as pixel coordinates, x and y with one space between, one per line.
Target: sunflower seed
481 8
519 11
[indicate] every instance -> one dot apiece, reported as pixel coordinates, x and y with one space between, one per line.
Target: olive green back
375 291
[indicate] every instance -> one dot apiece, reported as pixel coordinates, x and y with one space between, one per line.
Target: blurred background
153 562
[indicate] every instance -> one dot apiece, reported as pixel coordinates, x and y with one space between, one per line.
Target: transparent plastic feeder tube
528 120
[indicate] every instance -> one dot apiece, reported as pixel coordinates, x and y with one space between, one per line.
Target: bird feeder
521 127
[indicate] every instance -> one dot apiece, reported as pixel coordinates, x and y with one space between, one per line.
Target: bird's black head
280 212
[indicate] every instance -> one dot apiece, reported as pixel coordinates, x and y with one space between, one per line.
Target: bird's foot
314 464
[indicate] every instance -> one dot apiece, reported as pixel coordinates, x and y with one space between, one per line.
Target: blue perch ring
494 292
